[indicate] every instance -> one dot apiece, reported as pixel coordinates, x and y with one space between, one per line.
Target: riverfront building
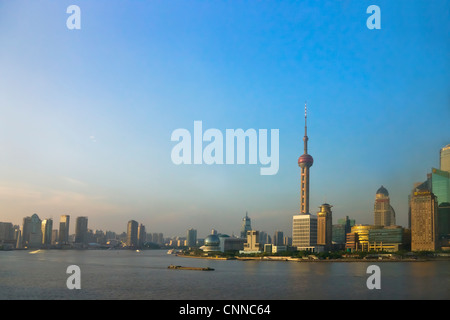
324 226
132 233
424 224
64 225
384 214
81 230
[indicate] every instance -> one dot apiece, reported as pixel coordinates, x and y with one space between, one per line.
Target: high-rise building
141 235
440 185
444 224
324 226
278 238
445 158
191 238
246 226
47 226
32 232
252 245
64 225
132 234
81 230
7 235
304 232
424 224
304 225
341 229
384 214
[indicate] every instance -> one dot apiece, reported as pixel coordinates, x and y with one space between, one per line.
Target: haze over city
87 115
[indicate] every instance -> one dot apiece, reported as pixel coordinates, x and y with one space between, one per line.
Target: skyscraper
141 235
47 226
324 226
445 158
424 223
81 230
191 238
132 233
246 226
384 214
304 225
32 231
278 238
64 229
440 185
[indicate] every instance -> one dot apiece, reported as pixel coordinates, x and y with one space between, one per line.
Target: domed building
212 243
384 214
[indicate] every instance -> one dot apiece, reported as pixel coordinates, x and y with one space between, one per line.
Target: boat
190 268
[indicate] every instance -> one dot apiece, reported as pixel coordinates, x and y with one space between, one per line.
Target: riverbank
315 259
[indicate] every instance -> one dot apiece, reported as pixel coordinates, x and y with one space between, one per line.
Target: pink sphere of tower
305 160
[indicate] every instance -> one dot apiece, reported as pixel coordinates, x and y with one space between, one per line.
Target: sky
86 115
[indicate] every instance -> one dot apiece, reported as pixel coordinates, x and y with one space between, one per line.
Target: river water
131 275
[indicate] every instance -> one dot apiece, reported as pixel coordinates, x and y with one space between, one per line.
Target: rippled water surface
122 274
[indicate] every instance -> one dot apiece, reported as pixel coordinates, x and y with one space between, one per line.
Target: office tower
54 236
278 238
444 223
304 232
252 244
384 214
324 226
341 229
263 237
424 221
440 185
445 158
47 226
132 231
64 225
246 225
141 235
191 238
32 232
7 235
81 230
304 225
305 161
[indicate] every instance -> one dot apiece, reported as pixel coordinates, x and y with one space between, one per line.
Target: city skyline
87 114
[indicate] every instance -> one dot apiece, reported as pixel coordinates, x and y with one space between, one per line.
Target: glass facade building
440 185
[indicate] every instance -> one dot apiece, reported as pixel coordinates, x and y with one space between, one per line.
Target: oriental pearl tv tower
305 161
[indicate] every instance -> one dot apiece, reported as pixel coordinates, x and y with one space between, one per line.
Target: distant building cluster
41 234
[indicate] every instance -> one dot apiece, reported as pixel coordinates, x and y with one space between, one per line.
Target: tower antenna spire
305 138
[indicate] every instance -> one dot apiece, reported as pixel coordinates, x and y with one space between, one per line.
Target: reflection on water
121 274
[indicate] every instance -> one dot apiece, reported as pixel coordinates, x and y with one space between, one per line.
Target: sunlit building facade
445 158
424 224
384 214
64 225
324 226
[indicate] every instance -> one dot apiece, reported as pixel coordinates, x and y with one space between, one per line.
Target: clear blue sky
86 115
